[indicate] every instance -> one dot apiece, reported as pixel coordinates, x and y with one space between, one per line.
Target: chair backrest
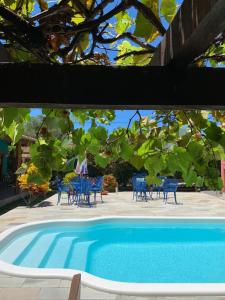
170 185
85 186
76 185
141 186
99 182
138 180
62 187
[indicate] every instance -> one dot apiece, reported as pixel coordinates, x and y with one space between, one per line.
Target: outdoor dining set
79 190
141 189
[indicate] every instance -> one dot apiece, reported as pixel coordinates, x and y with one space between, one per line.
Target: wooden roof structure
170 82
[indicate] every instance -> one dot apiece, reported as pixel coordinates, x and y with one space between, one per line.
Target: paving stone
91 294
20 294
53 293
41 283
11 282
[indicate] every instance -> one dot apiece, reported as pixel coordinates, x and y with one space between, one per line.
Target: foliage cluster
166 142
25 183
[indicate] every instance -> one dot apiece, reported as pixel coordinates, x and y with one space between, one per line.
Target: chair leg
59 198
88 199
78 199
166 197
175 197
101 197
69 202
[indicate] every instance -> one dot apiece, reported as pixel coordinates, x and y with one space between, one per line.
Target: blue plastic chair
97 187
170 185
137 177
85 191
76 184
64 188
140 188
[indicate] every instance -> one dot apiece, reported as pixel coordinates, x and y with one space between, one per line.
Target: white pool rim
135 289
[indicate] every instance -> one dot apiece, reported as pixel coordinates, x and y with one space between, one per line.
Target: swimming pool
136 256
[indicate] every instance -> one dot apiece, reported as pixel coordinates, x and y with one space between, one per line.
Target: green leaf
99 132
94 147
126 151
168 9
137 162
124 21
190 177
77 135
219 184
152 180
146 147
199 181
144 28
10 114
195 149
84 41
102 160
69 165
15 132
213 132
81 116
155 164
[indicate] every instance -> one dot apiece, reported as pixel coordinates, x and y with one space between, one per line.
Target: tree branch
135 52
122 36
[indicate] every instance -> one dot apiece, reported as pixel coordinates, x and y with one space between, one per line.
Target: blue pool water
126 251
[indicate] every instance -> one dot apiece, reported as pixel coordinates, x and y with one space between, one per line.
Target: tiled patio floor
190 204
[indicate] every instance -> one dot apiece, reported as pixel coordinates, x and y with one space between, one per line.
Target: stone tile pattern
190 204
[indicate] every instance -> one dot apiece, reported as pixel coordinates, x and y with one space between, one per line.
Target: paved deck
190 204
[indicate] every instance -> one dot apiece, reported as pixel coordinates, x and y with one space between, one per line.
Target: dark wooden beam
42 85
192 31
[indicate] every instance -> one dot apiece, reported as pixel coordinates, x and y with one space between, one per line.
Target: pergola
169 82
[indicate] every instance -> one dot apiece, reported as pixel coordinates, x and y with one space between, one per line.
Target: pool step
32 255
78 257
57 253
10 255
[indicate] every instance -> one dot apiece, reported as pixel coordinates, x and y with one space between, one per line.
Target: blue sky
121 120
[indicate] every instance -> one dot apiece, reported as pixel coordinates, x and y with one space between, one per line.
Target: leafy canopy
84 31
188 142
